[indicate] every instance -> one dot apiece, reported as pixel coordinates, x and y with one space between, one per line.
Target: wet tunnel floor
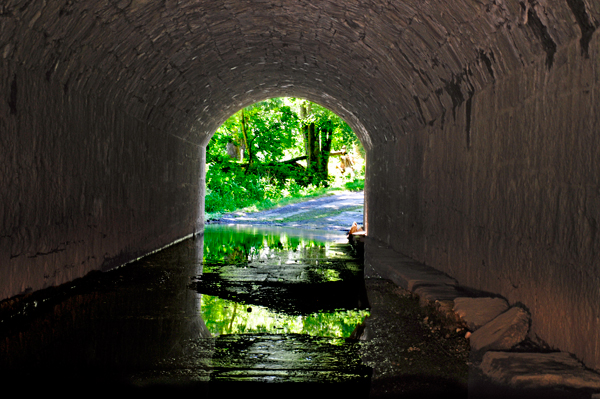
263 310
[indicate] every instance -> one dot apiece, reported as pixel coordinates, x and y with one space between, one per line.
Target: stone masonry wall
84 186
504 196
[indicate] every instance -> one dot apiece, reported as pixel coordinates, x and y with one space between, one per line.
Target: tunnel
479 118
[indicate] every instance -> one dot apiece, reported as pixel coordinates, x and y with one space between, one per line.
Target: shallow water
282 306
257 282
239 305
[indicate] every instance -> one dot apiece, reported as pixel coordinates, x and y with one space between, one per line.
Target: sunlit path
334 212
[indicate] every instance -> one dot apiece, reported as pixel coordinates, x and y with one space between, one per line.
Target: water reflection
281 306
228 317
238 244
290 276
238 304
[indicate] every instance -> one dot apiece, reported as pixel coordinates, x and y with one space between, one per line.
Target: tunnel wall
84 185
504 195
478 119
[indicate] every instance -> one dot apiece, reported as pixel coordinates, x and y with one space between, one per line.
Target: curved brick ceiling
386 66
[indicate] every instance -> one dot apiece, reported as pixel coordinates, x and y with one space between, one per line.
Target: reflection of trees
230 246
235 305
235 255
257 281
228 317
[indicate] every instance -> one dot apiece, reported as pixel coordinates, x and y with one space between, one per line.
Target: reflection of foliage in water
231 246
228 317
270 273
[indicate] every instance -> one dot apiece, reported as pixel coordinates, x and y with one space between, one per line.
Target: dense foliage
275 149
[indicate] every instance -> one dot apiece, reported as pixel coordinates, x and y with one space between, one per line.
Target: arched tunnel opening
279 151
479 120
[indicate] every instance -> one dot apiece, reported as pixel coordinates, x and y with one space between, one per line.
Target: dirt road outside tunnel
334 212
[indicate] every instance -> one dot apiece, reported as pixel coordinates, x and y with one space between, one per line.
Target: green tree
319 128
248 158
265 131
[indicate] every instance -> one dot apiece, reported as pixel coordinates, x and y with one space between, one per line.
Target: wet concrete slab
268 314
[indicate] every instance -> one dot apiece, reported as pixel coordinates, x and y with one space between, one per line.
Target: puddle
240 305
228 317
288 275
281 306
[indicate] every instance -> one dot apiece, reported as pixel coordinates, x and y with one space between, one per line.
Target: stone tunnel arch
481 117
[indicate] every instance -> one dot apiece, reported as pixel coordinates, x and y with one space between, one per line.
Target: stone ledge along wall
479 119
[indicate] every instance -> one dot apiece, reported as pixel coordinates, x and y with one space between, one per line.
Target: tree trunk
245 136
326 135
311 142
313 146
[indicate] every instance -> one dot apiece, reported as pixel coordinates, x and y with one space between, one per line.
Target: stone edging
495 329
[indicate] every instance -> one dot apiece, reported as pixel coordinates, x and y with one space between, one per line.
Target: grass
355 185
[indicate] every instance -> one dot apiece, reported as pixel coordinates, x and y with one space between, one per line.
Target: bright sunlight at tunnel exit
277 150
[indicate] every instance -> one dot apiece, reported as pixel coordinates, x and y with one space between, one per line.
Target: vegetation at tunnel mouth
280 151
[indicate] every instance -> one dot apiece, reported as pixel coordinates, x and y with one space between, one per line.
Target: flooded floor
237 306
266 310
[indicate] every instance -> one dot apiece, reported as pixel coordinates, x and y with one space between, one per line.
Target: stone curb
494 324
533 370
477 312
504 332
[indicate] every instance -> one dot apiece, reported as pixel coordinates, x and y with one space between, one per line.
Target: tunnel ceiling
387 67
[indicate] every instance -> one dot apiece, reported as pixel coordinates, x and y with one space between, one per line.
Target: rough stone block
429 294
476 312
538 370
445 310
502 333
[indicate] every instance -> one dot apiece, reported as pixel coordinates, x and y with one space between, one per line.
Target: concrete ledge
476 312
503 332
384 262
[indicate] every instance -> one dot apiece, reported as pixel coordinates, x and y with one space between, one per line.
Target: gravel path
334 212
